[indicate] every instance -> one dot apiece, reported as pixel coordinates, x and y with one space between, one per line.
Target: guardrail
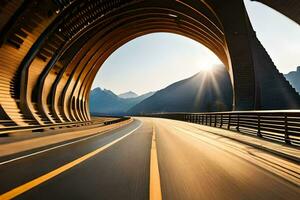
12 129
282 126
8 130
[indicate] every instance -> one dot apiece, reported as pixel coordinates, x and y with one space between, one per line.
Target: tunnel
51 51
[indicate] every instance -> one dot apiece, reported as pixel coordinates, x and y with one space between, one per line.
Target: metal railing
5 131
282 126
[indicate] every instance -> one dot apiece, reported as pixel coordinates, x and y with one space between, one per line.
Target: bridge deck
191 163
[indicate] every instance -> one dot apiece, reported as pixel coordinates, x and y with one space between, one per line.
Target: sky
154 61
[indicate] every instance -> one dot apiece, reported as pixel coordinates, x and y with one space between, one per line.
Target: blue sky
154 61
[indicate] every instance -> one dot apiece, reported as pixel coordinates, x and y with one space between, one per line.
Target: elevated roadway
150 159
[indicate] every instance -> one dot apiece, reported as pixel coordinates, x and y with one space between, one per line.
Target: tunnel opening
170 72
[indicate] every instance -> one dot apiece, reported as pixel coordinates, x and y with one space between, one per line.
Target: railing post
202 118
221 124
286 130
215 120
209 120
238 123
258 126
205 119
229 119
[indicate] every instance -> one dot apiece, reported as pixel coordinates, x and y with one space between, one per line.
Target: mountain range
105 102
203 92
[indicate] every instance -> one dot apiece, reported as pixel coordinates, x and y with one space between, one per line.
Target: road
146 159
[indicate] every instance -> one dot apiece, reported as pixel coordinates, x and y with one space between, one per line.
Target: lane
278 165
21 171
19 150
192 168
119 172
150 159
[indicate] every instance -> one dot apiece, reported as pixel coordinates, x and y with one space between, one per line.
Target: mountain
205 91
140 98
294 78
105 102
127 95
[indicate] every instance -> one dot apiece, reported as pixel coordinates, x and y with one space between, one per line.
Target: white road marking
59 146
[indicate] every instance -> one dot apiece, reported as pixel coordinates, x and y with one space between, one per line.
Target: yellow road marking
155 189
35 182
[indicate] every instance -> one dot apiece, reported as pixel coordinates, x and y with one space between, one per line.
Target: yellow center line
35 182
155 189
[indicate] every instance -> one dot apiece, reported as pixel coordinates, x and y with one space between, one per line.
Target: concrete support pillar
234 18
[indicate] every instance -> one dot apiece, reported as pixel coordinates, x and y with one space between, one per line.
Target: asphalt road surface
147 159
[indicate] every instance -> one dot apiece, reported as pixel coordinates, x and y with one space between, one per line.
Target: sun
206 67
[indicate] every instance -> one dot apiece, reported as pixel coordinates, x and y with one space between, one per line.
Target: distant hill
127 95
205 91
105 102
294 79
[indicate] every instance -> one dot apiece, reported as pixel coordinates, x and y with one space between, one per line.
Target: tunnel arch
61 51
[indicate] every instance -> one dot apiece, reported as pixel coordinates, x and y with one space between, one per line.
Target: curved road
147 159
